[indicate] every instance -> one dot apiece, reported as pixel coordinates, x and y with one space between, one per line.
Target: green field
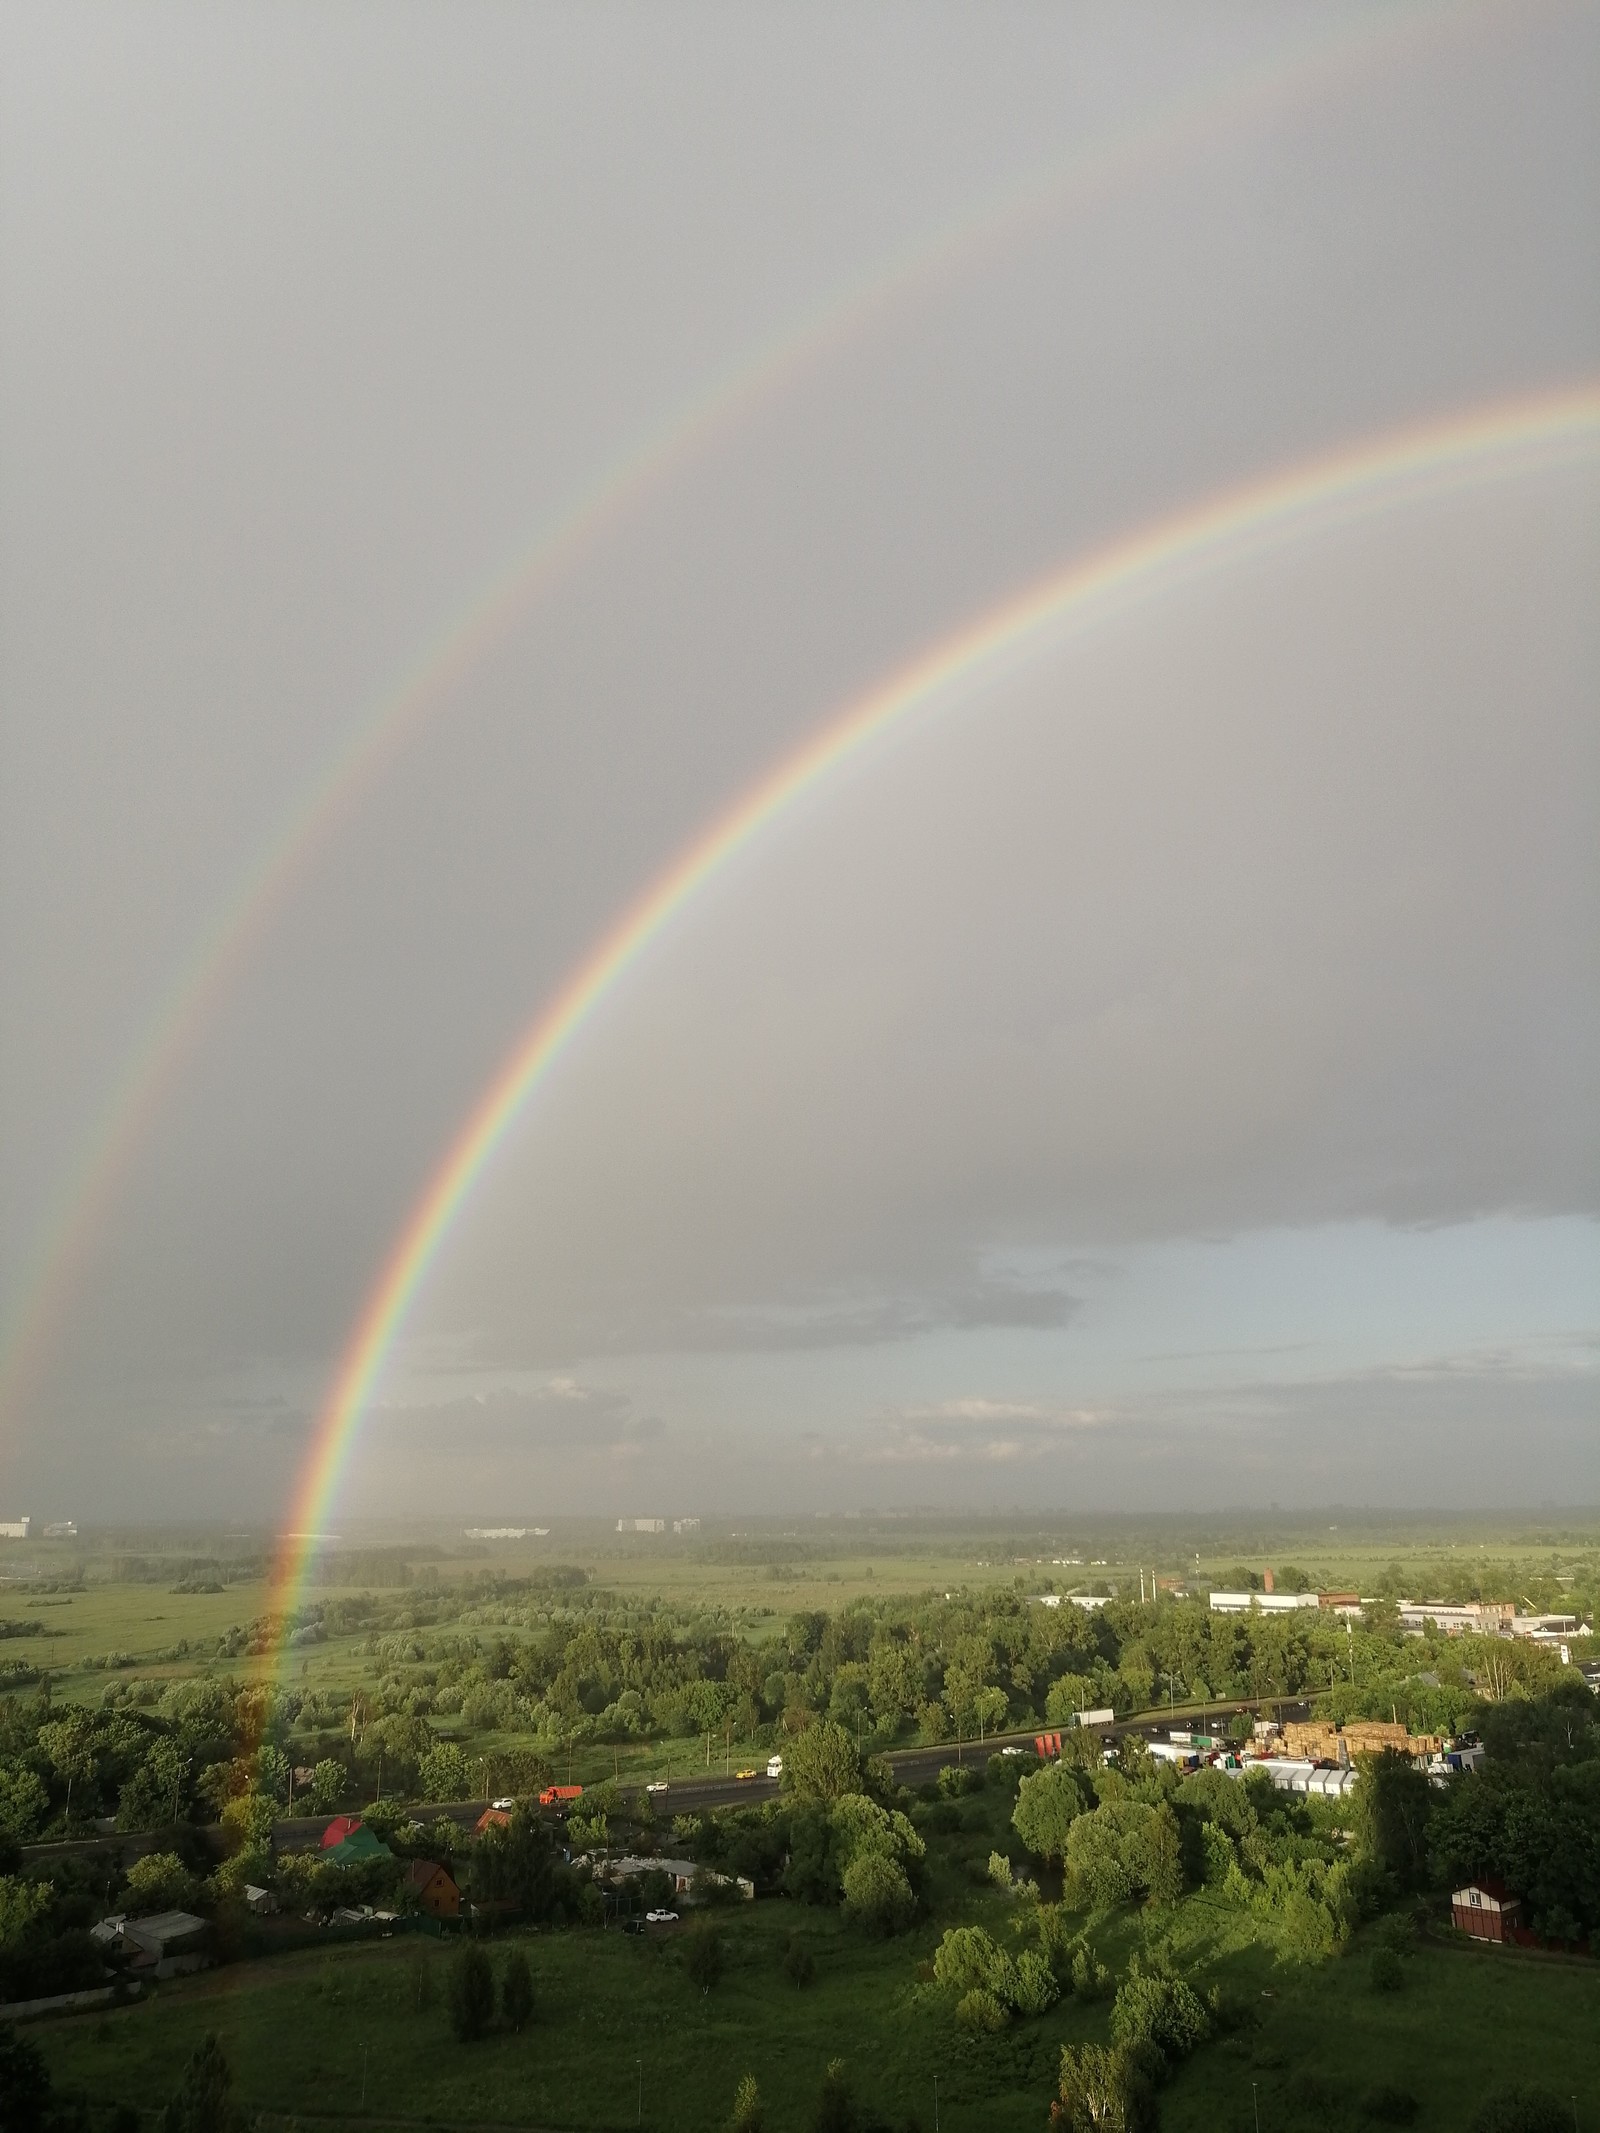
306 2031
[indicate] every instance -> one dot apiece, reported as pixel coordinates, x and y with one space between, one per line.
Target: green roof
360 1844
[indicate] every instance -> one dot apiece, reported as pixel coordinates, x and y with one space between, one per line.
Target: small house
492 1818
1486 1909
341 1827
261 1901
432 1889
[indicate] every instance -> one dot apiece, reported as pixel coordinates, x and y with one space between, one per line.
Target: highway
714 1788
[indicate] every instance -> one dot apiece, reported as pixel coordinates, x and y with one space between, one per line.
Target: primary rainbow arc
1498 442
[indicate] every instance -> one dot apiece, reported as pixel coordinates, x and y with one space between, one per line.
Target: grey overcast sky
1162 1074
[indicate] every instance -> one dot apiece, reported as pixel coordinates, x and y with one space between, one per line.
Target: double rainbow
1490 444
151 1067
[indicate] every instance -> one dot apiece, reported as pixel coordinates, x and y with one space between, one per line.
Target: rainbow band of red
1493 443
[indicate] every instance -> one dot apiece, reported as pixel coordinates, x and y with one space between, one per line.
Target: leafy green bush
703 1956
799 1964
1163 2012
1385 1972
980 2011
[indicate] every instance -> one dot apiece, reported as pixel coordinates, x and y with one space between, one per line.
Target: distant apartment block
1270 1603
15 1529
496 1533
686 1525
63 1530
641 1525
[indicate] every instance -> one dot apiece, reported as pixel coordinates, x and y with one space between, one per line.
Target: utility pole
639 2120
1255 2104
935 2104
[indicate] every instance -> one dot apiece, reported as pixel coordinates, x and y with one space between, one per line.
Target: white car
1011 1751
503 1807
656 1785
661 1918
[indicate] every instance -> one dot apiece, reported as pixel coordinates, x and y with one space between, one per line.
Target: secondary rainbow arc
1494 443
152 1064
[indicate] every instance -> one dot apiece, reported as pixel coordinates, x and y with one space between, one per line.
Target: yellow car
747 1773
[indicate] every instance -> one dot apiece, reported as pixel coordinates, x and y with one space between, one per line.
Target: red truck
560 1795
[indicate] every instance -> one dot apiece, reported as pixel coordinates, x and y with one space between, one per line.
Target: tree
22 1904
70 1745
836 2110
1048 1803
327 1783
160 1882
877 1895
203 2102
443 1773
247 1822
749 2113
25 2090
471 1995
1392 1805
1101 2092
24 1803
822 1763
516 1990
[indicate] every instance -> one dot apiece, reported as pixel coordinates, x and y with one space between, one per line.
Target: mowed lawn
617 2019
304 2031
1466 2020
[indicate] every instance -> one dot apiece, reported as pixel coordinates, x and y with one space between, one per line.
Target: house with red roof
338 1829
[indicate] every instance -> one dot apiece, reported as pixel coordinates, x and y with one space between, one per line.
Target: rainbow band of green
1491 443
152 1066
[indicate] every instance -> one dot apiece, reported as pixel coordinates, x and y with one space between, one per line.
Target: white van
774 1766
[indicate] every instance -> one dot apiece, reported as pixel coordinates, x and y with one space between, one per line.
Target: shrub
1385 1972
471 1996
1524 2107
1160 2011
799 1965
1389 2105
702 1957
516 1991
956 1780
980 2011
1090 1978
1034 1986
